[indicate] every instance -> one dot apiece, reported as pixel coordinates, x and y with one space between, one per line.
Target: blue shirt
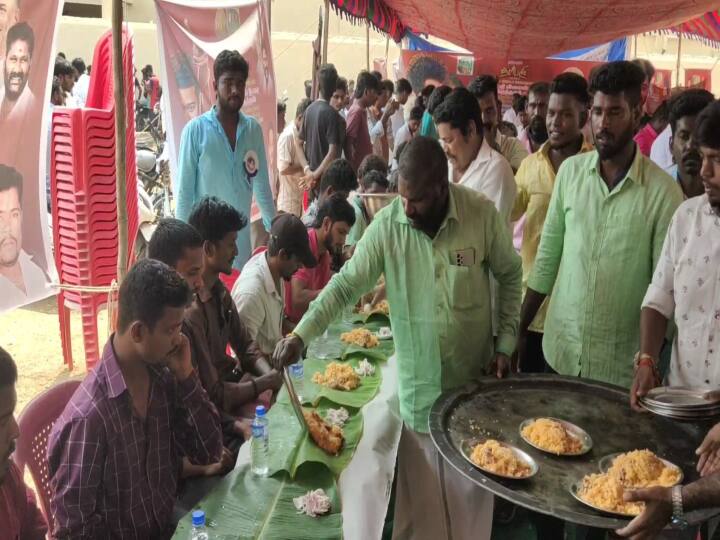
207 165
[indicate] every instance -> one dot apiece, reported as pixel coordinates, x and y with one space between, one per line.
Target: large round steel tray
492 407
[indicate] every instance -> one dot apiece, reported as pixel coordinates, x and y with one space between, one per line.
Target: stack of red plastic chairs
84 197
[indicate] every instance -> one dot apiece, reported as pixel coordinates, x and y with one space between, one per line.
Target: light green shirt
361 223
440 311
598 249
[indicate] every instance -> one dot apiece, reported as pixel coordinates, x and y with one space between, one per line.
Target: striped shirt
115 475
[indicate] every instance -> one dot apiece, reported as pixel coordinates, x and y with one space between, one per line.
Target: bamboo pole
677 67
326 31
367 45
120 180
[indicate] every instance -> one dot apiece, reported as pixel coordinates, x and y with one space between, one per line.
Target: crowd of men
612 249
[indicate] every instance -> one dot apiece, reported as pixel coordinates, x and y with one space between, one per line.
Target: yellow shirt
535 180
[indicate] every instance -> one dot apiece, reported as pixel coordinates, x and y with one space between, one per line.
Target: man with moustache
21 280
19 514
536 109
566 114
602 237
16 98
222 153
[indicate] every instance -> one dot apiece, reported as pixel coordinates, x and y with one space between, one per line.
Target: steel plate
494 408
466 448
606 462
576 431
575 492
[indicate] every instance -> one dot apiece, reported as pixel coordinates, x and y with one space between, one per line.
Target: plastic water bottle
297 374
198 532
260 443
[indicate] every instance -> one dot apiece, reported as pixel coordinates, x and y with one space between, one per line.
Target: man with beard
685 280
536 108
222 154
16 98
397 120
335 218
259 292
485 90
566 115
602 237
450 238
21 280
357 135
19 514
684 109
113 453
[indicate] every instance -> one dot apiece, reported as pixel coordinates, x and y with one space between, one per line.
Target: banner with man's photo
27 34
190 37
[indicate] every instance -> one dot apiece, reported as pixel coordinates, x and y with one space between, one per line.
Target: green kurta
597 255
440 311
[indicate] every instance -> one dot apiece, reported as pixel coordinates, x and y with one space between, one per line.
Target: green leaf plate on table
373 317
334 347
362 395
291 447
245 506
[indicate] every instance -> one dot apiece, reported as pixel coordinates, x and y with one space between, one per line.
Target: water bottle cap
260 410
198 518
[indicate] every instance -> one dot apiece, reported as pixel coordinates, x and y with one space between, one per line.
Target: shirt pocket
464 286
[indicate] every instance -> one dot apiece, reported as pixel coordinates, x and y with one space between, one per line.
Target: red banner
698 78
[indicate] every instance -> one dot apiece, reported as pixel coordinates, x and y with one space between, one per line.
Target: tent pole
677 67
635 45
120 177
326 29
367 45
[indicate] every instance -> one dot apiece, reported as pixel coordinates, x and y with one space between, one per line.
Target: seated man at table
19 514
259 292
212 323
332 224
340 178
113 453
372 183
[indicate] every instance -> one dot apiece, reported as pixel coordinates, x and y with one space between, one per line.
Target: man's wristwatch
678 515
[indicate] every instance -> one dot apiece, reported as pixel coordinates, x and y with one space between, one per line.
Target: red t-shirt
357 136
20 516
154 83
314 278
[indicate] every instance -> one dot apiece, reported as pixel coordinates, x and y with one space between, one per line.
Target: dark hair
375 73
688 103
416 113
337 208
366 81
170 240
308 88
302 107
10 178
228 61
281 107
522 103
509 127
63 68
707 126
340 176
149 287
60 54
662 112
55 87
437 97
572 84
214 219
79 65
374 177
388 85
539 87
459 109
517 102
646 66
8 369
423 155
403 85
148 68
424 68
372 162
21 32
342 84
482 85
616 77
327 80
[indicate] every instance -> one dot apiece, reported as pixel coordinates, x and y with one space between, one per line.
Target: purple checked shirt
114 475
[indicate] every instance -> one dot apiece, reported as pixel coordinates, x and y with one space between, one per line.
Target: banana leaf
362 395
245 506
291 446
373 316
330 346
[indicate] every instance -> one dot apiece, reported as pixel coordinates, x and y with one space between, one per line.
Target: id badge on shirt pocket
463 257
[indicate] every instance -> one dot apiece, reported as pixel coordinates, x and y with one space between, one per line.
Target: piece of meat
329 438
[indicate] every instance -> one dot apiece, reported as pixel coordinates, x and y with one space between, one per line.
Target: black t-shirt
321 127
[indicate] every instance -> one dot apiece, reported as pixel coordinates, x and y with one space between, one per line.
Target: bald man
436 244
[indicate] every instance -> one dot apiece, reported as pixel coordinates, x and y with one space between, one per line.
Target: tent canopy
525 29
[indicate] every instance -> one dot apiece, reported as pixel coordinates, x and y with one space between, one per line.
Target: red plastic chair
36 422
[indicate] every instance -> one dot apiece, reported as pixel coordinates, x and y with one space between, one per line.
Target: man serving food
455 238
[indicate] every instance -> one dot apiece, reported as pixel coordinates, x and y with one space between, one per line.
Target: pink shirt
314 278
645 139
20 517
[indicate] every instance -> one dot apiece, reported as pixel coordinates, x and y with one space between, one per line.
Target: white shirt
403 135
37 285
290 195
687 283
71 102
80 90
397 120
259 304
375 127
660 150
491 174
